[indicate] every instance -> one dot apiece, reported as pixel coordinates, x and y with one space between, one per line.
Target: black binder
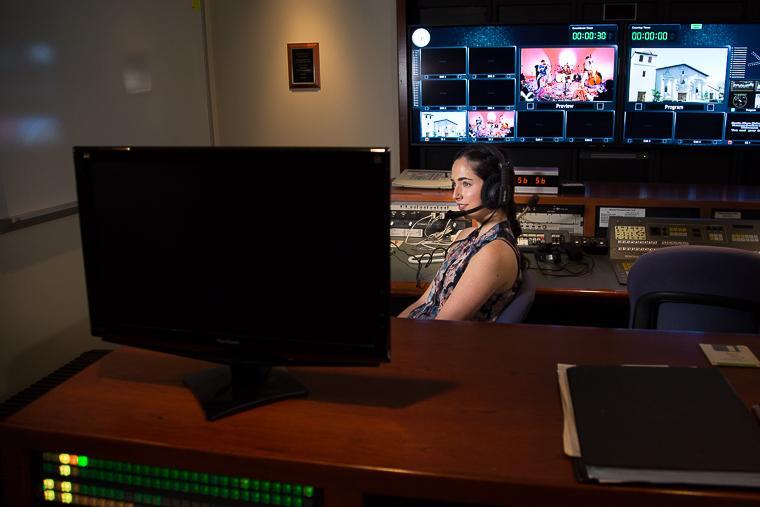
664 426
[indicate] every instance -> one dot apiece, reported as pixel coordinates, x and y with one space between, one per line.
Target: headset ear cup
489 195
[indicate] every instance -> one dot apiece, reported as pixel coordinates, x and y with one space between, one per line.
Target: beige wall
43 306
357 104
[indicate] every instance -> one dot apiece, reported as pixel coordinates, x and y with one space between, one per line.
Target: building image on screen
566 74
485 125
692 84
444 124
677 74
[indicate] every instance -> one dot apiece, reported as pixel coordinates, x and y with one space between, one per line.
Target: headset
496 191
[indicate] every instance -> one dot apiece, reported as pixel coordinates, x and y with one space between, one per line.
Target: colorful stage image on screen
677 75
490 124
567 74
443 124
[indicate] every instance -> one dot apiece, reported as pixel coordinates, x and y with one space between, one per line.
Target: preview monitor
692 84
513 84
225 254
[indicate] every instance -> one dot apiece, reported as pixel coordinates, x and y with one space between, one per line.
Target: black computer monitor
248 257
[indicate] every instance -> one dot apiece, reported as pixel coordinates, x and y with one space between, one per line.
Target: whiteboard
93 72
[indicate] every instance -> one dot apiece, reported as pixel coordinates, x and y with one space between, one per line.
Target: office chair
518 309
696 288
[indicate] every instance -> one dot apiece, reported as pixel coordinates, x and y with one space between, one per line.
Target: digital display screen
513 83
692 84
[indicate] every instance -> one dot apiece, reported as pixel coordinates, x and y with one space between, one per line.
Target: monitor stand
226 390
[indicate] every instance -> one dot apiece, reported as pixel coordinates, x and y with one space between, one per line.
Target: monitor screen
513 83
223 254
692 84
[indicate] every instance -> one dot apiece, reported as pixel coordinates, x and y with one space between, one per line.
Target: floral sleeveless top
454 265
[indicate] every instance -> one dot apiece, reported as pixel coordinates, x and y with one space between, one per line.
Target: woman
482 269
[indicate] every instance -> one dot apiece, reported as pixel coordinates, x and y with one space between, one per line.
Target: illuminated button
297 490
256 497
66 487
308 491
64 459
245 483
66 498
49 495
48 484
64 470
73 459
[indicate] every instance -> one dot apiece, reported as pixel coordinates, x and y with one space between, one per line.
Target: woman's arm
492 269
417 303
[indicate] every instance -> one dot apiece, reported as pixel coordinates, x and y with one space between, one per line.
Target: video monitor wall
692 84
513 84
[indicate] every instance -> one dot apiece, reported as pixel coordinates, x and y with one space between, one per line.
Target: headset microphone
453 215
528 207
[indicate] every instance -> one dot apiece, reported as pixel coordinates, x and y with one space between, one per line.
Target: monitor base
227 390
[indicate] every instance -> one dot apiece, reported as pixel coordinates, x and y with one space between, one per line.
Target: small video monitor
648 125
444 61
533 124
492 92
590 124
699 126
492 61
444 92
743 128
491 124
443 125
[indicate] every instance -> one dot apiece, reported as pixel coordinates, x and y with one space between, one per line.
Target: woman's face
467 186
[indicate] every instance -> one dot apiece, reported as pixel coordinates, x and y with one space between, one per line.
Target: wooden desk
465 412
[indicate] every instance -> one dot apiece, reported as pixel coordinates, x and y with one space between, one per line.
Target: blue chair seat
696 288
518 309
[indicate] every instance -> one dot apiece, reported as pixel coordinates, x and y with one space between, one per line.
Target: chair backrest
696 288
518 309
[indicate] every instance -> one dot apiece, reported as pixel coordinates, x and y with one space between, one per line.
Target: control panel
549 224
421 219
632 237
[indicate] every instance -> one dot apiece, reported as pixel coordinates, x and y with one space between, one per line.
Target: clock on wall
421 37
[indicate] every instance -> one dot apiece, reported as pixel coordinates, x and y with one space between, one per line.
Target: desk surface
466 412
599 282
